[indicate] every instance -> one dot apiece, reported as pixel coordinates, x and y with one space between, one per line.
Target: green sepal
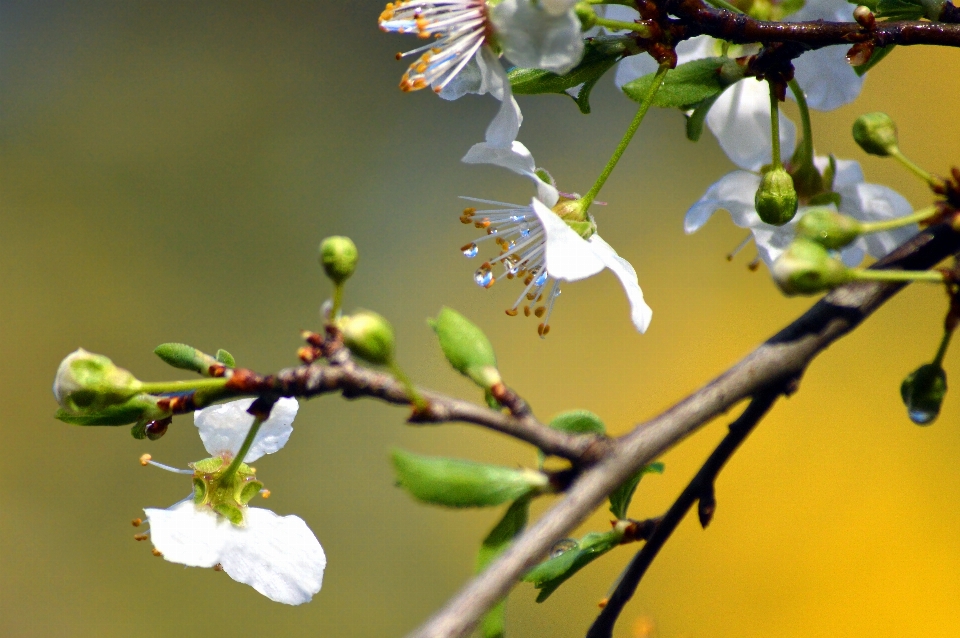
875 57
199 490
697 118
208 466
689 84
575 422
460 483
248 491
899 10
226 358
230 512
600 54
466 347
620 498
513 522
550 574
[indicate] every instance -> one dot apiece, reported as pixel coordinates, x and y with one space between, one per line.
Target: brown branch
697 18
780 360
701 484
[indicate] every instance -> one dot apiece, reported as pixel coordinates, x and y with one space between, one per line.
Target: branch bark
781 360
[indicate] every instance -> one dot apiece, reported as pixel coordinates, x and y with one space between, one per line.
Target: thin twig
701 484
780 360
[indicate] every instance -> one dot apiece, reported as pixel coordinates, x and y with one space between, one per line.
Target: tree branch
700 485
779 361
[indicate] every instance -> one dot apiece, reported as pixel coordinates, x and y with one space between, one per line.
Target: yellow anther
511 312
137 522
543 329
156 552
526 311
540 311
145 459
465 247
399 56
531 296
265 493
141 537
469 212
492 281
529 278
218 567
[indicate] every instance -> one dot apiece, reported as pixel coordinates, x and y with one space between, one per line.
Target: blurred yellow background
167 169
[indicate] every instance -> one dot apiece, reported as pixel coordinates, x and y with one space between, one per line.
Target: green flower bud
466 347
830 229
184 357
368 336
876 134
776 199
586 15
139 409
87 383
806 268
923 391
338 256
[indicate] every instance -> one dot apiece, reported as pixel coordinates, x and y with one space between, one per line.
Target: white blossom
735 192
276 555
538 247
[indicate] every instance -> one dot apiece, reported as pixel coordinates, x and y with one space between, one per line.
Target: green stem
337 302
587 199
898 155
247 443
924 276
166 387
919 216
942 350
641 29
804 154
415 398
775 126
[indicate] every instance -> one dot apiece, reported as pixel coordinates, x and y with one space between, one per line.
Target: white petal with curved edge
825 75
568 255
276 555
532 36
187 534
848 173
640 312
515 157
224 427
468 80
771 241
734 192
740 119
873 202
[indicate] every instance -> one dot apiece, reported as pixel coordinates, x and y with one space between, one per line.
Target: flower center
226 495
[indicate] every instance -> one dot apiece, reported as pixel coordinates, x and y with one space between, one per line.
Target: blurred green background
167 169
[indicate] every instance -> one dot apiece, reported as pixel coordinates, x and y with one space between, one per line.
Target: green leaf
459 483
878 54
696 119
600 54
689 84
226 358
550 574
899 10
466 347
575 422
183 357
499 538
583 95
621 497
123 414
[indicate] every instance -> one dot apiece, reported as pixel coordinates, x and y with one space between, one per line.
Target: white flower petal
187 534
740 119
872 202
517 158
532 36
568 255
848 173
640 312
734 192
276 555
468 80
827 78
224 427
771 241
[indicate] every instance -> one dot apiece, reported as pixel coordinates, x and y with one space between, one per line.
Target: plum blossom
276 555
538 246
468 36
740 118
735 191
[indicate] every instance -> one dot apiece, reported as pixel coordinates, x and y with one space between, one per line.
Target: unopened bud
88 382
776 199
180 355
586 15
368 336
876 134
806 268
466 347
923 391
338 256
827 227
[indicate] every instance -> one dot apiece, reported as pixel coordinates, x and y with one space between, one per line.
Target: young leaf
466 347
550 574
226 358
184 357
697 118
878 54
503 533
459 483
600 54
123 414
621 497
687 85
576 422
899 9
